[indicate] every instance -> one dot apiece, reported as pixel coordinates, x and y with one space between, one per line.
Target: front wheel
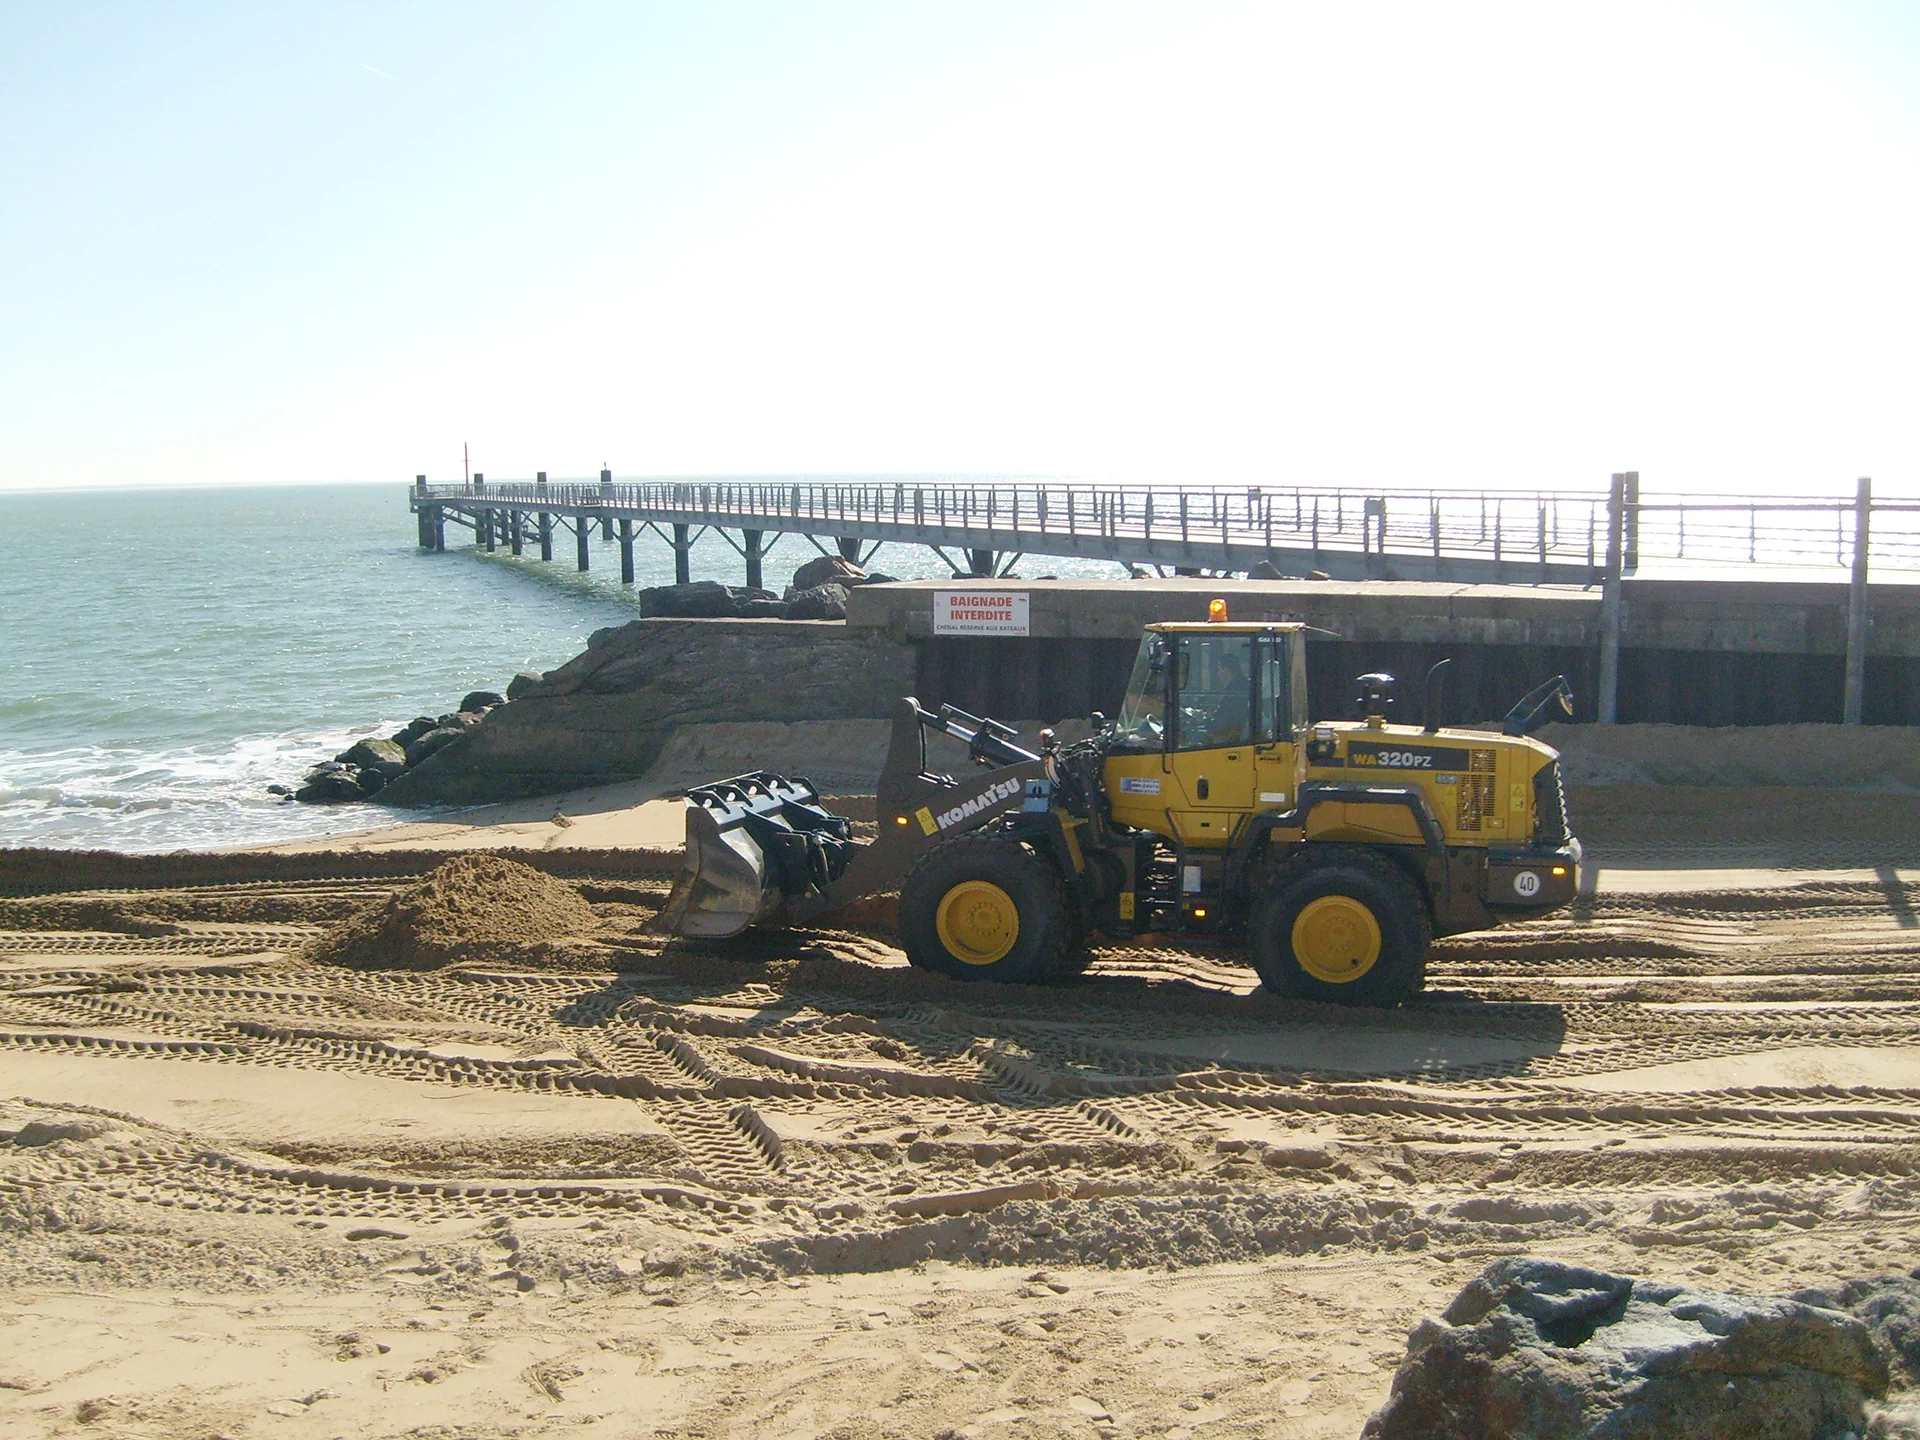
984 907
1349 927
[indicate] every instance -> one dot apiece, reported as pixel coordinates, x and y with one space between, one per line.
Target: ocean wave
84 797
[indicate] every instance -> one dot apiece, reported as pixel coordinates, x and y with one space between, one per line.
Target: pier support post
682 561
626 552
487 530
546 519
606 498
849 547
751 541
1609 698
439 522
1630 552
981 563
582 528
516 530
1854 702
420 513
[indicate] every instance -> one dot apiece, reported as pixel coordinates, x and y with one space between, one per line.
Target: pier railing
1348 533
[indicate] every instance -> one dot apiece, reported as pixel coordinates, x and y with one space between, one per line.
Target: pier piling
582 528
626 552
753 553
682 559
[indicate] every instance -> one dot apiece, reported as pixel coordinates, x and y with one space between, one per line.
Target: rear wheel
1345 925
984 907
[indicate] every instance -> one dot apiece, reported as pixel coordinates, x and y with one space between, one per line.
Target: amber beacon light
1216 611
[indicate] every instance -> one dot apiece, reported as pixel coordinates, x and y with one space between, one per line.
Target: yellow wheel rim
1336 939
977 922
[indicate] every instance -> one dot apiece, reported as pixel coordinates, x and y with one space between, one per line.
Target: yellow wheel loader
1211 807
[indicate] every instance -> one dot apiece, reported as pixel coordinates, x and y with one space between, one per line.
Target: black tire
1030 893
1398 970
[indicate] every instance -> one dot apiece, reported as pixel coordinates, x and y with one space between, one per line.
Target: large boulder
367 753
433 742
331 787
822 602
1540 1350
413 730
700 600
825 570
481 700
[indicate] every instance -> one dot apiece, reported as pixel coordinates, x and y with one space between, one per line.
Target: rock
1539 1350
826 569
457 719
374 752
330 789
279 790
606 714
822 602
478 701
371 782
1265 570
433 742
1889 1306
761 610
880 577
525 681
326 767
701 600
413 730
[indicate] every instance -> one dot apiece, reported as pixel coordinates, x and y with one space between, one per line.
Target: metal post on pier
981 563
751 539
682 559
1858 620
1630 552
1609 699
626 551
516 530
582 528
849 546
546 518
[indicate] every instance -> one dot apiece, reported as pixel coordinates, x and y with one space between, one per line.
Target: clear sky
1302 243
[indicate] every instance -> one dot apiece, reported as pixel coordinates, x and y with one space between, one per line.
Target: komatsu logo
988 799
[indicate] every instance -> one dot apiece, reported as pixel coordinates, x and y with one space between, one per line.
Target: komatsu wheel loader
1212 806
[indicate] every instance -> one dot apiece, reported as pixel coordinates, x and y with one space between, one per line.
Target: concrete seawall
1692 654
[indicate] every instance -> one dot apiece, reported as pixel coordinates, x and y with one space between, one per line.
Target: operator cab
1212 686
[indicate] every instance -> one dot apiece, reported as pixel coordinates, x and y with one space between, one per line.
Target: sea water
165 655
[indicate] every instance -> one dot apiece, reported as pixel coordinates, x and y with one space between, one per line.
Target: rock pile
1539 1350
364 768
471 908
818 592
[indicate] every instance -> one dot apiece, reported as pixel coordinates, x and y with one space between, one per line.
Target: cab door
1280 720
1213 740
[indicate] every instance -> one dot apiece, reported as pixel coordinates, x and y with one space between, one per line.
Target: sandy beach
786 1185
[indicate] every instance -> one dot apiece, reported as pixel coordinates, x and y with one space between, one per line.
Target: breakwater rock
607 713
818 592
367 767
1539 1350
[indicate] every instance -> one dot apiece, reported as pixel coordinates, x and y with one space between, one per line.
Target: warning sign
980 612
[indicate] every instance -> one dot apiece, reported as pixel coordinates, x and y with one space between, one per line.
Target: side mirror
1156 656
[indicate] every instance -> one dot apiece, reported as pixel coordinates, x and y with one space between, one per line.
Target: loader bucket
752 843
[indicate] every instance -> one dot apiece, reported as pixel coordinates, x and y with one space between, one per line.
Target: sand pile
472 908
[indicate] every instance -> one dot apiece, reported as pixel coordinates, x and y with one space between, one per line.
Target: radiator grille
1477 791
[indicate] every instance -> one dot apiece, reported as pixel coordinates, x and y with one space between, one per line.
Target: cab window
1273 690
1216 683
